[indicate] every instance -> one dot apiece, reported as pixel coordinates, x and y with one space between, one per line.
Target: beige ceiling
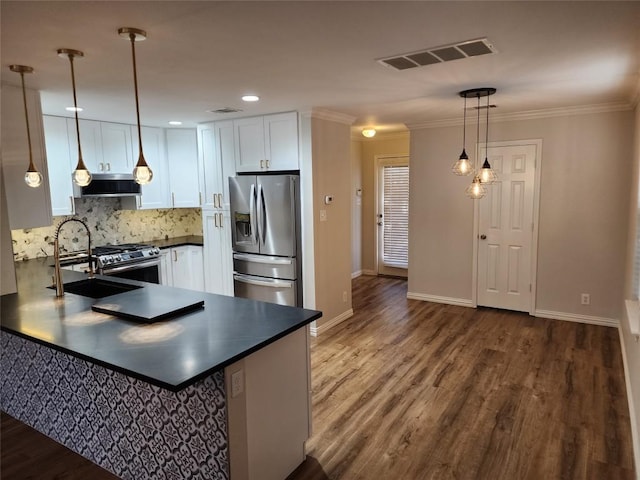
299 55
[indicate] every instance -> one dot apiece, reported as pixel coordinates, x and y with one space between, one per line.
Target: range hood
109 185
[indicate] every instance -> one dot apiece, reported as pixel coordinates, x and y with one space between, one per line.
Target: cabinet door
90 142
27 207
196 259
117 152
56 141
281 141
182 156
156 193
218 260
250 152
209 176
226 159
166 268
181 267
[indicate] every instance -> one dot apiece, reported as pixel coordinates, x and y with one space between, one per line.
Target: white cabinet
182 156
117 151
56 141
216 144
106 147
156 193
27 207
218 257
182 267
268 143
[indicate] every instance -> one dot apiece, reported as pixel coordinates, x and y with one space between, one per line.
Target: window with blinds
395 252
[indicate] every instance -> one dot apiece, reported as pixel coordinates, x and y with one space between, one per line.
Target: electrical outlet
237 383
585 299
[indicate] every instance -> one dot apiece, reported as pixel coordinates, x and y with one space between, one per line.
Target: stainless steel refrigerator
265 234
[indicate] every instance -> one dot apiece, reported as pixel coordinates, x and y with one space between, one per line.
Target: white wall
631 348
584 192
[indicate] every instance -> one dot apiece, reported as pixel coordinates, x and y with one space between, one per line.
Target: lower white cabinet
218 257
182 267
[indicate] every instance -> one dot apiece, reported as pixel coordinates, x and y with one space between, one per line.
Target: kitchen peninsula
220 392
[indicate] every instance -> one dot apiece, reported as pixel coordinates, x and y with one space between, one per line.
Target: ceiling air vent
445 53
225 110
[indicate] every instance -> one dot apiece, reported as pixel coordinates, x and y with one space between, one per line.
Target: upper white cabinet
106 147
156 193
182 155
268 143
216 143
60 165
117 150
27 207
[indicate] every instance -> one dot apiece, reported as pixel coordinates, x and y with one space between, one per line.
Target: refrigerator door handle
262 282
252 213
262 220
262 259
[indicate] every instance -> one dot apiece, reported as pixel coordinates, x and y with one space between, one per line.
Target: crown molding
532 114
328 115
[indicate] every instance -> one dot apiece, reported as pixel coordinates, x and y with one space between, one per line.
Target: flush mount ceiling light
142 174
81 175
250 98
369 132
32 177
175 122
73 109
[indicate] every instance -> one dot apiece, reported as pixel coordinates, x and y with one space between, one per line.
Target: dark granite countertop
177 241
172 354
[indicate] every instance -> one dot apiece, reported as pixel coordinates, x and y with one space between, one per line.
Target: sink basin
97 288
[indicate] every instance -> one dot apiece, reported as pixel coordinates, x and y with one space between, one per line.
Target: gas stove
111 256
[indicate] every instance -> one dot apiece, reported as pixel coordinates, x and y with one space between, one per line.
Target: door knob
483 237
380 224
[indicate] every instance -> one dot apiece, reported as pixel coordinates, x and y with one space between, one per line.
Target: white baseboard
572 317
315 331
461 302
356 274
635 435
370 272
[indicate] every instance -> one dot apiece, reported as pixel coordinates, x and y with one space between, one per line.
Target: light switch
323 215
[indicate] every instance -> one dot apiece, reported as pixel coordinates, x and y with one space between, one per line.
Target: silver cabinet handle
267 162
200 198
73 205
108 166
219 200
262 283
261 163
262 259
221 222
101 166
175 256
215 219
173 199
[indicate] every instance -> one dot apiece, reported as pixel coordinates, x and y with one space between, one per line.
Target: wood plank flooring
409 390
413 390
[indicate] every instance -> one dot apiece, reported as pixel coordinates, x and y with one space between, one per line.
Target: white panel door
249 142
506 230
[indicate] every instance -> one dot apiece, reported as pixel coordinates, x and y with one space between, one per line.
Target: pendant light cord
464 125
478 130
75 108
132 37
26 117
486 138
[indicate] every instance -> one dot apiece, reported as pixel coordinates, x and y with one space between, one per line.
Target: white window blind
396 216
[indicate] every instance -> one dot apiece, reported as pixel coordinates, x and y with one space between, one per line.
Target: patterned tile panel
108 224
129 427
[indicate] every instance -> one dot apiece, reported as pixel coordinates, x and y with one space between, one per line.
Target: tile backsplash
108 224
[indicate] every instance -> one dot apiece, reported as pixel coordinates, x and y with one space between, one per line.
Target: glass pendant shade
476 190
81 175
487 174
463 166
142 174
33 178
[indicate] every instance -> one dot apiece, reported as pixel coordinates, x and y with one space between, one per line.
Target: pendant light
32 177
487 174
463 165
81 175
142 174
476 190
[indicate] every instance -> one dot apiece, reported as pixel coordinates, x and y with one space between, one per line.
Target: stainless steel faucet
57 278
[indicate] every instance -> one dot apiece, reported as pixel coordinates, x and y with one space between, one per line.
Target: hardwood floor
409 390
412 390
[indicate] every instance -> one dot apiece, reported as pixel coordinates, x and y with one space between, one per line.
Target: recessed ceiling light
73 109
175 122
250 98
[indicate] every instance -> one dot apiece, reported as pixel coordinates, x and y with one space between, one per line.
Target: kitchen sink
97 288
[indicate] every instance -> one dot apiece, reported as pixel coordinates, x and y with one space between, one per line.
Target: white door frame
376 201
536 222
